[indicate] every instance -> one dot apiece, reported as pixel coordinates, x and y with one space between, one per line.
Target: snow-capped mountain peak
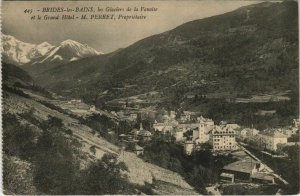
78 49
69 42
20 53
44 44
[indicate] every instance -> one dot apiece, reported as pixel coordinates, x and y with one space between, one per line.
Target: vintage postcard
150 97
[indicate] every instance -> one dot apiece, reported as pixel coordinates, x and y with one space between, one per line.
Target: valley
231 56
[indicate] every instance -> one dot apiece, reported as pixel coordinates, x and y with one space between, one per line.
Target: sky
107 35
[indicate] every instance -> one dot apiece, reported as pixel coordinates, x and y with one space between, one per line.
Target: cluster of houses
130 140
250 170
269 139
189 131
221 137
192 133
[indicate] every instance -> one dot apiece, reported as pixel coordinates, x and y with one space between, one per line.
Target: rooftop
273 133
227 175
222 130
241 166
144 133
262 176
188 126
189 113
134 131
138 148
201 118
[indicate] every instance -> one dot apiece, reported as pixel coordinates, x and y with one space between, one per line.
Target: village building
166 118
262 178
164 127
92 108
138 150
187 116
296 123
226 177
240 171
222 138
188 126
134 133
252 132
243 133
271 138
172 114
143 134
178 135
188 147
169 116
248 132
133 116
168 124
195 133
288 132
223 123
295 130
233 126
201 134
122 137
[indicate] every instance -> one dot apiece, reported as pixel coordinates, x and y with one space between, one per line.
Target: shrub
69 131
18 140
106 177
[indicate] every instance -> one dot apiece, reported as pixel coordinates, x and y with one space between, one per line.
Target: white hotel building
222 138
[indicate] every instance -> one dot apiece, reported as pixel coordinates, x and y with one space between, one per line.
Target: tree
55 167
18 140
106 177
55 122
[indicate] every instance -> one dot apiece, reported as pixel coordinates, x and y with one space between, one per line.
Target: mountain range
20 53
249 51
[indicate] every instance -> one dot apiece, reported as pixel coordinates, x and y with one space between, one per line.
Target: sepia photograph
142 97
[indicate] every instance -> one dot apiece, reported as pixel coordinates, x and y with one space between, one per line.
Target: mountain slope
251 50
12 74
31 110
